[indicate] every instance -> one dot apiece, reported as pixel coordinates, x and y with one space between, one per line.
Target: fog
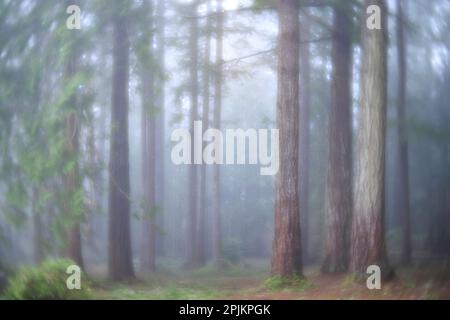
68 170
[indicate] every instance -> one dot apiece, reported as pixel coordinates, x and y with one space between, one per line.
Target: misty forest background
85 170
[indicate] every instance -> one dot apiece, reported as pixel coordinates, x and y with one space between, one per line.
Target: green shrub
231 250
46 282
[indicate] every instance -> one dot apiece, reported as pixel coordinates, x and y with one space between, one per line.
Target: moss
162 293
349 280
293 282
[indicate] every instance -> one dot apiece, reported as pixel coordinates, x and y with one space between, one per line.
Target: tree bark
286 256
338 203
192 254
216 198
120 255
402 137
205 119
148 142
71 178
160 124
368 242
304 136
148 240
38 232
38 239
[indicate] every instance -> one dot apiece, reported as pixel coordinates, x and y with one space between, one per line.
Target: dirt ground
423 283
337 287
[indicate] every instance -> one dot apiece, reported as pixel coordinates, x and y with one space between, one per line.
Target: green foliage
231 250
48 281
32 122
294 282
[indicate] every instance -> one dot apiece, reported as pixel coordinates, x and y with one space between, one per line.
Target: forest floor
249 282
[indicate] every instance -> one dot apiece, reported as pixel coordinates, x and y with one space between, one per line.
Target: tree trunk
216 198
368 242
192 254
120 255
160 124
338 203
71 178
205 119
148 240
304 136
286 256
403 165
38 239
148 140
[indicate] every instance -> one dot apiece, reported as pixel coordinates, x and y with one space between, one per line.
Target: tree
148 140
72 182
205 119
304 136
403 162
72 179
160 121
338 203
216 198
120 262
286 254
367 242
192 254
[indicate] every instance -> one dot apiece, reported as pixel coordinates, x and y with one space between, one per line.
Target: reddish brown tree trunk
120 256
368 242
286 255
304 136
339 172
402 137
71 178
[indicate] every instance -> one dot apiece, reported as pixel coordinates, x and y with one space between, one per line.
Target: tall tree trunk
304 136
216 198
339 171
368 238
38 241
192 256
160 124
205 119
402 137
286 255
148 241
71 178
120 255
148 140
95 187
